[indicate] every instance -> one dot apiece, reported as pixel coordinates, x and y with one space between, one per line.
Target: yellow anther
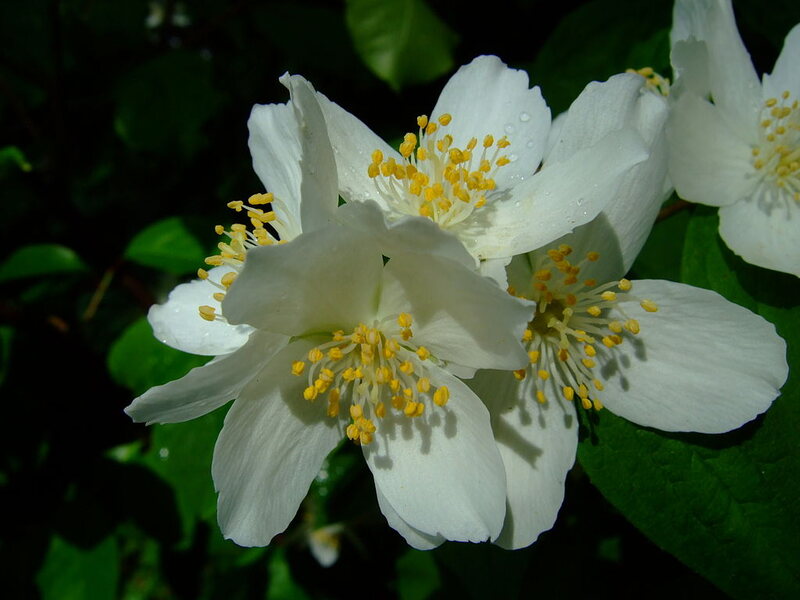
423 385
219 229
257 199
422 121
410 409
598 385
380 410
236 205
406 367
543 274
310 393
571 299
502 161
423 353
373 170
608 342
472 143
615 326
527 336
616 339
214 261
586 403
540 397
207 312
609 296
594 311
544 375
583 391
441 396
520 374
356 411
365 437
503 142
445 119
335 353
649 306
597 404
488 141
352 432
426 211
298 367
588 363
202 273
590 283
219 296
569 393
315 355
590 351
632 325
404 320
592 256
228 279
625 285
563 355
533 356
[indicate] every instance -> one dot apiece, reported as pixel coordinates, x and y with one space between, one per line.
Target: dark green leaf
417 575
661 256
723 504
72 573
12 157
402 41
167 245
40 259
282 585
139 361
6 335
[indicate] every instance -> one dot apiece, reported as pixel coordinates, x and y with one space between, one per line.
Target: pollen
776 156
372 369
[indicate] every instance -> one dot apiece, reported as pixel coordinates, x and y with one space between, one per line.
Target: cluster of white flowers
468 299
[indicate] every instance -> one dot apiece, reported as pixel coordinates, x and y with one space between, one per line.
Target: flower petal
762 235
269 451
558 198
413 537
458 315
320 281
178 323
538 443
733 82
353 144
486 97
708 162
785 76
700 363
442 472
206 388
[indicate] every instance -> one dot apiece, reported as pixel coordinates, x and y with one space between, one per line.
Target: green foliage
139 361
167 245
417 575
722 504
12 157
402 41
73 573
38 260
282 585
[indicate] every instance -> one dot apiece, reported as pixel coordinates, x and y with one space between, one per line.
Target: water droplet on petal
512 157
524 117
530 144
509 128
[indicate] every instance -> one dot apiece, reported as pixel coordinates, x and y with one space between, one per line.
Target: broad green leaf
72 573
12 157
417 575
402 41
661 256
598 40
724 504
282 585
139 361
181 454
163 104
6 336
167 245
40 259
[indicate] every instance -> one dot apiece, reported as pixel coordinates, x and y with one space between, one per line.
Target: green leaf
40 259
12 157
167 245
163 104
661 256
181 454
282 585
72 573
417 575
139 361
402 41
598 40
724 505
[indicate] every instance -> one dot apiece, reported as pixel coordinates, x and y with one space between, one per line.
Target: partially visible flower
479 166
325 542
369 355
661 354
735 141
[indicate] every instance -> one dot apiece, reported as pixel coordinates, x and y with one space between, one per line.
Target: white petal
458 315
785 76
486 97
407 234
206 388
269 451
320 281
708 162
178 323
442 472
700 363
765 236
495 269
733 81
558 198
690 66
353 144
319 186
538 443
413 537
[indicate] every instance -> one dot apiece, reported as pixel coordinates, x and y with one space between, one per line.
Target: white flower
740 150
480 166
661 354
369 352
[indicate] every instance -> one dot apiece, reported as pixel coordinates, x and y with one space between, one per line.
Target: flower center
777 156
241 238
436 179
654 82
376 367
571 326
